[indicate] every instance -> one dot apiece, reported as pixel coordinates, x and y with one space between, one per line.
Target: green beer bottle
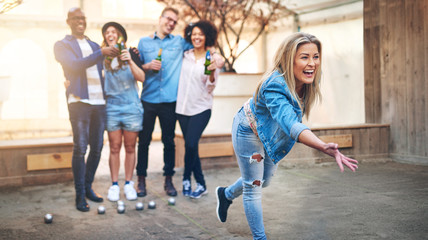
159 58
207 63
120 45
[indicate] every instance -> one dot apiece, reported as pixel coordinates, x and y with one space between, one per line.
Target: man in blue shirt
81 60
159 95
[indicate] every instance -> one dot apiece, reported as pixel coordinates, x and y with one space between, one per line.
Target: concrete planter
231 92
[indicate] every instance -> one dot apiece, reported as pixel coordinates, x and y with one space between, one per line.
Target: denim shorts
124 116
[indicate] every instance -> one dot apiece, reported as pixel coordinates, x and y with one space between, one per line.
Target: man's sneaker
129 191
113 193
187 188
199 191
222 204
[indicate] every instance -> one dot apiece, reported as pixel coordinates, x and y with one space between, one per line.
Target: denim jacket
68 54
278 116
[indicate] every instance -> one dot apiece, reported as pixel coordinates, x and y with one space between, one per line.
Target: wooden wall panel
395 80
425 125
415 74
371 61
396 65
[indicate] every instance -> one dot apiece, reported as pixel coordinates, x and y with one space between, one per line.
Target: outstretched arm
308 138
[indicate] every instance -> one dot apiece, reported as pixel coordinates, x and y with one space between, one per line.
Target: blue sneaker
200 190
187 188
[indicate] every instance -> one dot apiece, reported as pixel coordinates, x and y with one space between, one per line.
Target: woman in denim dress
267 126
124 109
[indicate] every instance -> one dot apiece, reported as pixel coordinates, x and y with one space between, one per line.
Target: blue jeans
167 120
192 128
88 125
256 169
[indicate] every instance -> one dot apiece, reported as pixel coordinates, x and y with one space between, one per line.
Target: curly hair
208 28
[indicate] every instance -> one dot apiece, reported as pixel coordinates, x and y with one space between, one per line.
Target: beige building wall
32 95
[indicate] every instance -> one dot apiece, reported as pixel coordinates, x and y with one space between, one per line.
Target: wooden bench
343 140
364 142
35 161
215 150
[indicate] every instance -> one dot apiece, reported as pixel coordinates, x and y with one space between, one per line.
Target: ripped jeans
256 169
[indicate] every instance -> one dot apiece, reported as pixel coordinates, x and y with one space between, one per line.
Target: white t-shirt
95 91
195 90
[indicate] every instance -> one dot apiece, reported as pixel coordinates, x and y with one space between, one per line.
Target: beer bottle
207 63
159 58
120 44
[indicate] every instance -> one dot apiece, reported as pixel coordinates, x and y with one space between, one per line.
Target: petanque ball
139 206
101 210
48 218
152 205
171 201
121 209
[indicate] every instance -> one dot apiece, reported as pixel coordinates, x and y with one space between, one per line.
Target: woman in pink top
195 98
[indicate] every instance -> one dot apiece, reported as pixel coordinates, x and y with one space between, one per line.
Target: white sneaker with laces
113 193
129 191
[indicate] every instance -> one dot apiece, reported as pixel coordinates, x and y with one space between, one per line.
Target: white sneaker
130 192
113 193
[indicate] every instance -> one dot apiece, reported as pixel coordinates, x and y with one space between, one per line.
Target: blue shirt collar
155 35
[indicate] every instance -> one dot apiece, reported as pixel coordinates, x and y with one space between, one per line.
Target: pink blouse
195 90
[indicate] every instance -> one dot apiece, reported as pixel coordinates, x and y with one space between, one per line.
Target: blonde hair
108 60
284 63
170 9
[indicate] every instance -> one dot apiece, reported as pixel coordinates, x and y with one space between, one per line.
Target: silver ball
171 201
101 210
139 206
152 205
120 203
48 218
120 209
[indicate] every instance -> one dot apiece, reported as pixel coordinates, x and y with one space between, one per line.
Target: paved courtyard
379 201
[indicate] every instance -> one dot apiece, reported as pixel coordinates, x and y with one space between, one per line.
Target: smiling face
111 35
77 22
306 63
198 38
167 23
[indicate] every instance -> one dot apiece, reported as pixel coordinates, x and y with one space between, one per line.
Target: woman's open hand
332 150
